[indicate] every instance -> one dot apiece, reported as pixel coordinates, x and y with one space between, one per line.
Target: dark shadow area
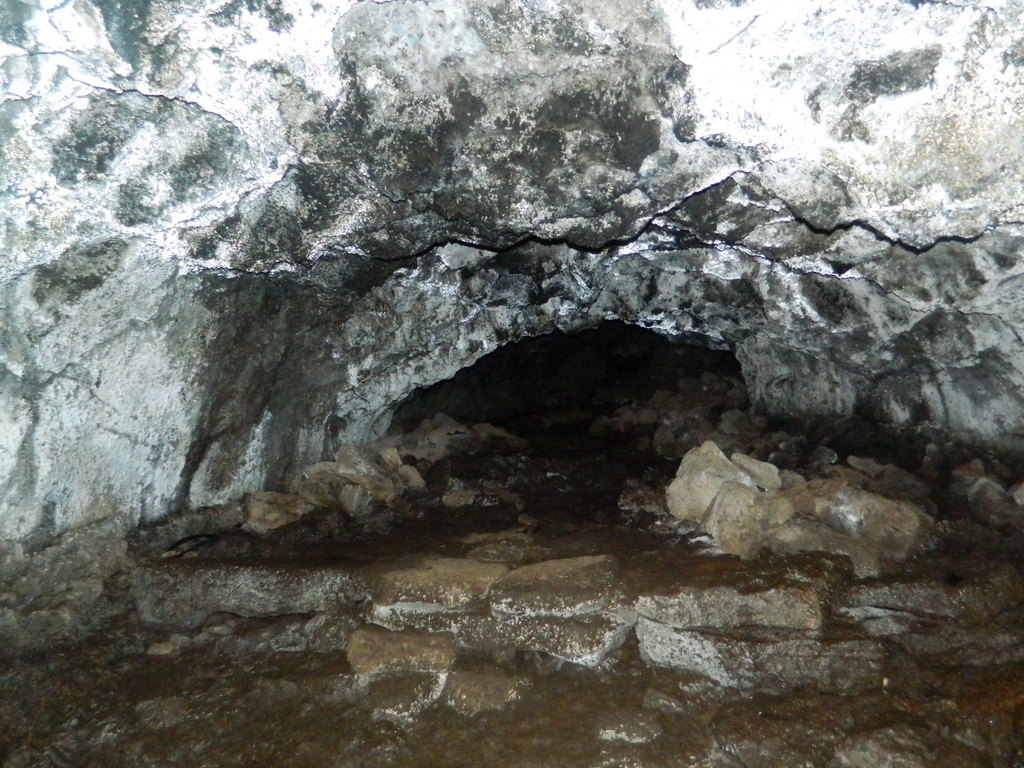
568 377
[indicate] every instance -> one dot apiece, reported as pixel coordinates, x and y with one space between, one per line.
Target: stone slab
565 587
372 650
968 593
727 593
585 639
442 581
472 692
769 662
182 594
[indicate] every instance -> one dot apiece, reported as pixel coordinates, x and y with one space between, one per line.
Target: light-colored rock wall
223 223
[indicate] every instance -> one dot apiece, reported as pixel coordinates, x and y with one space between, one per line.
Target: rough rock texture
224 225
772 661
183 593
373 651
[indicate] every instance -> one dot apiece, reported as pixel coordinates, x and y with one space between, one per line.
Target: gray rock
629 727
285 634
960 592
768 661
330 631
953 647
903 746
182 594
402 697
701 474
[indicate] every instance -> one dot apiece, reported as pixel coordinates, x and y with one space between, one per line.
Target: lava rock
438 582
182 594
565 587
374 651
767 661
470 693
725 593
700 476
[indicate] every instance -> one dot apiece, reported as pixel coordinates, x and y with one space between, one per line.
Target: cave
460 382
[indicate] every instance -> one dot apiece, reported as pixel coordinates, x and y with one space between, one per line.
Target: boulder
701 474
811 536
765 474
897 528
265 510
737 519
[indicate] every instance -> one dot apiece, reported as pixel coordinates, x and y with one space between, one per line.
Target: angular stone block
372 650
399 698
441 581
473 692
726 593
182 594
967 593
768 662
700 475
736 519
565 587
586 639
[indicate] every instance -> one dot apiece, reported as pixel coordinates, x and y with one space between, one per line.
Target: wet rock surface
547 621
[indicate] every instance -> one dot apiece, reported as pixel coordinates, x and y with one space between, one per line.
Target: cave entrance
567 379
597 422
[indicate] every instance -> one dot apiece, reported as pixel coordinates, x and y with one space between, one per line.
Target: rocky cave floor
525 598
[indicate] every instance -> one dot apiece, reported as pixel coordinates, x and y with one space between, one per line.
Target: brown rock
565 587
265 510
725 593
375 651
439 581
401 697
472 692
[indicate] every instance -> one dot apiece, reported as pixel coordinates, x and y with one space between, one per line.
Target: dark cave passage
566 376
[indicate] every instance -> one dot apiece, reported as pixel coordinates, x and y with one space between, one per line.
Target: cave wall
237 233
